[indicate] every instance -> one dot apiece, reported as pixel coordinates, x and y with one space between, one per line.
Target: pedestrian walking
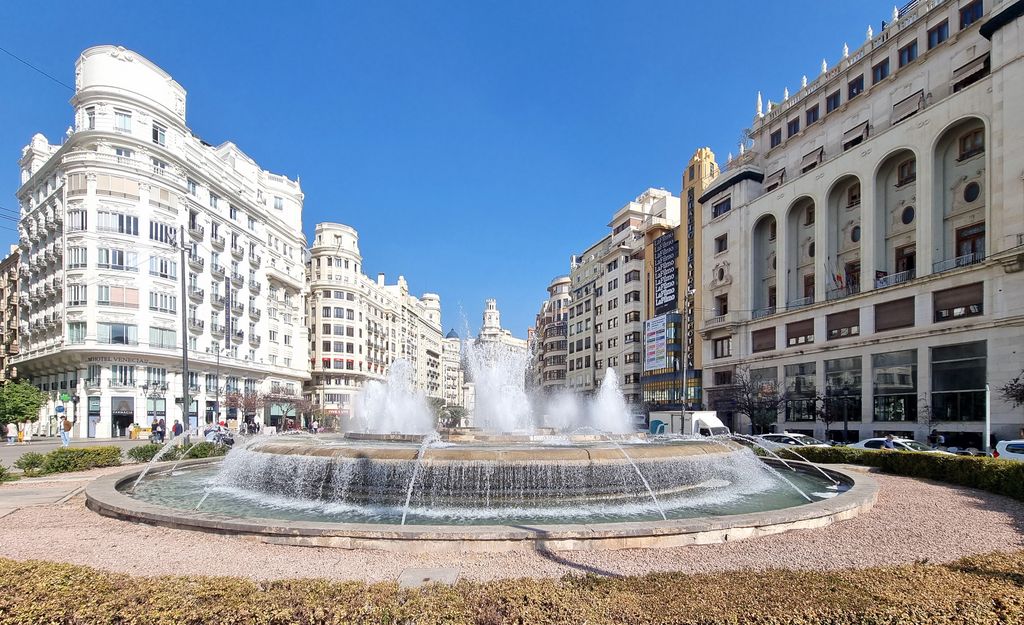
21 432
12 432
65 432
177 428
316 426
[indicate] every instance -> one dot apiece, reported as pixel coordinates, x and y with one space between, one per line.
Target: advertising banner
655 344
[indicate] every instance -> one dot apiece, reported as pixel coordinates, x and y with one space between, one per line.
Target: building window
722 347
163 302
906 172
800 332
958 381
76 333
971 13
278 203
163 267
908 53
855 87
843 324
120 260
880 72
159 134
832 102
214 200
793 127
117 334
163 338
123 297
938 34
801 390
763 340
122 121
721 208
118 223
233 212
812 115
894 375
90 118
721 243
77 257
193 188
972 143
843 388
959 302
776 138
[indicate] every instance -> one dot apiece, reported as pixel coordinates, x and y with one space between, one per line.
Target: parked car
796 440
900 444
1009 450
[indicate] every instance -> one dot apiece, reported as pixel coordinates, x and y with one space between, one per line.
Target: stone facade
9 299
358 326
875 235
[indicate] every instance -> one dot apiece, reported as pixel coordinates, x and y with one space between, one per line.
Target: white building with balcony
103 216
358 327
868 244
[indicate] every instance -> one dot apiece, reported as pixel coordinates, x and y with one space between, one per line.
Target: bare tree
757 399
1013 391
250 403
291 407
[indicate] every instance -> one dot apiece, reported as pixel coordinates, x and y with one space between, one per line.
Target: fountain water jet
397 405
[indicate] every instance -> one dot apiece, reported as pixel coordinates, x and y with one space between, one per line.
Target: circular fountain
517 481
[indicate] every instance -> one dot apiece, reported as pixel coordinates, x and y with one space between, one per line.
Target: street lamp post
845 393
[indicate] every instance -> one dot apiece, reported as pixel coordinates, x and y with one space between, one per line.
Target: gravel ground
913 520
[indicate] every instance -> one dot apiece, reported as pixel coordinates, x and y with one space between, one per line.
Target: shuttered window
962 301
895 314
763 340
843 324
800 332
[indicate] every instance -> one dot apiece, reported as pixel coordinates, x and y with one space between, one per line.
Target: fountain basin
583 526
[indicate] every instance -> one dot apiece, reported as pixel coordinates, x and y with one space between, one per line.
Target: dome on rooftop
452 334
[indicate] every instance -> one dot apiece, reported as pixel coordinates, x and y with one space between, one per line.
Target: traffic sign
65 397
60 409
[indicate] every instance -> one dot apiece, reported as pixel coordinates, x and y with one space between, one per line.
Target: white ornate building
452 372
549 336
358 326
103 215
868 248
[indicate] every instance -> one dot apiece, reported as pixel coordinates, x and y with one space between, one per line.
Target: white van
688 423
1009 450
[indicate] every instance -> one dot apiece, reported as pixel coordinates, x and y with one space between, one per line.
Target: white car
1009 450
794 440
899 444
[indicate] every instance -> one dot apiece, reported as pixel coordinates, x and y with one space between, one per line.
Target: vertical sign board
666 280
655 344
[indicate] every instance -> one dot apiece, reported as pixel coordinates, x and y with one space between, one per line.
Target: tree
292 407
1013 391
757 399
20 402
250 403
451 416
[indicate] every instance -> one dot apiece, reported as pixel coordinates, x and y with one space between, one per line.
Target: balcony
960 261
237 306
196 262
92 383
722 320
195 388
254 340
835 294
217 241
218 300
255 313
218 271
255 287
196 294
122 384
238 335
196 325
901 277
237 279
799 303
237 251
255 260
196 231
216 329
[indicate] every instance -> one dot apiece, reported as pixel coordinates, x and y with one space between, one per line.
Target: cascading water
395 406
608 411
499 378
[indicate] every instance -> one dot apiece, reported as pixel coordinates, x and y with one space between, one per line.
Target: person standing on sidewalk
65 432
12 432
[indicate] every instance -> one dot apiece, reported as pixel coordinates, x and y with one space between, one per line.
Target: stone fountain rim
103 497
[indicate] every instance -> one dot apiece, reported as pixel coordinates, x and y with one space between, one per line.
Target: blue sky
474 145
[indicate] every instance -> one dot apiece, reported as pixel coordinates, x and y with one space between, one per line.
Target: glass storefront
958 381
895 385
801 388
